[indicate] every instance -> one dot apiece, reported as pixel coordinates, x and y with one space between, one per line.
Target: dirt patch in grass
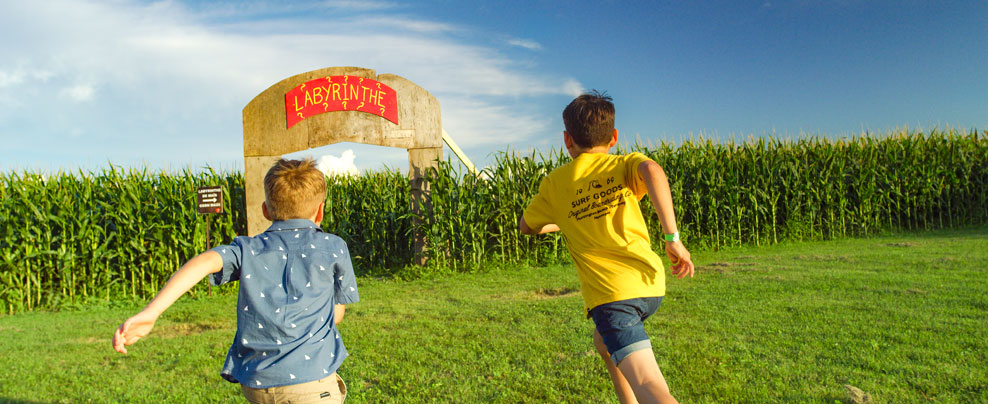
186 329
854 395
725 267
549 293
563 356
905 244
824 258
539 294
95 340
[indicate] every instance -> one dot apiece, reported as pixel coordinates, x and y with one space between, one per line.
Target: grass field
904 318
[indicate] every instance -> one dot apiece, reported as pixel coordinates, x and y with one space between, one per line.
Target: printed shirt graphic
291 276
594 201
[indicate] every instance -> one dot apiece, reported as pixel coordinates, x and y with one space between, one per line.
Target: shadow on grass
13 401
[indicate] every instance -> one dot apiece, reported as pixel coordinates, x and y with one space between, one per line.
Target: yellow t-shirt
594 201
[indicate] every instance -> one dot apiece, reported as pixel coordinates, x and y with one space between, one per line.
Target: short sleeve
633 178
344 278
539 211
232 255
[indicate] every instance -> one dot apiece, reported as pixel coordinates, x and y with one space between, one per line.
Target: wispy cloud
17 76
397 23
79 93
477 124
231 10
10 78
525 43
361 4
157 77
573 88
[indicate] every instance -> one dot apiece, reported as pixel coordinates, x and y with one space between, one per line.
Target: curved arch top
266 134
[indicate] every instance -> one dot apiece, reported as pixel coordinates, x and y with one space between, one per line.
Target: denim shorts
620 325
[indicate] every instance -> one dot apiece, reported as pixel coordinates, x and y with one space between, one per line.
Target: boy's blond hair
293 189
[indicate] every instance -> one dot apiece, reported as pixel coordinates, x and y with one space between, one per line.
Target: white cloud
525 43
10 78
334 166
17 75
232 9
79 93
360 4
395 23
573 88
161 70
474 123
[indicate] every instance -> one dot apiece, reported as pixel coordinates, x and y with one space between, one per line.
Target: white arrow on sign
209 199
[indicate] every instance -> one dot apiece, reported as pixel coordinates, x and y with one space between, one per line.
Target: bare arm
661 197
338 311
530 231
184 279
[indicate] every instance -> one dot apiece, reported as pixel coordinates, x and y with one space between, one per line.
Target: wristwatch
672 237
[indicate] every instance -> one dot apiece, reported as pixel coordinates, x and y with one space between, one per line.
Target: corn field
76 237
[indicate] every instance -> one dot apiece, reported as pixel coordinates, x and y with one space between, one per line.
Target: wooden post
209 243
254 170
419 163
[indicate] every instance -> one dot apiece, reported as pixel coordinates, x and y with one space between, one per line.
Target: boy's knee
640 368
655 382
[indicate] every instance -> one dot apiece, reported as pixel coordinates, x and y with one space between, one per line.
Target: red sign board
340 93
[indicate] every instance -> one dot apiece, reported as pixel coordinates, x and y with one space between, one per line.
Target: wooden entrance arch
269 132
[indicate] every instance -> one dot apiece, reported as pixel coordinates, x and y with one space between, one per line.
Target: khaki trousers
330 390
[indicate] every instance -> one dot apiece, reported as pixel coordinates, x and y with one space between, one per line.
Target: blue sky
84 84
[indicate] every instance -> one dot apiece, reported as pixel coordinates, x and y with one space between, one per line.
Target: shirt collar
592 155
293 224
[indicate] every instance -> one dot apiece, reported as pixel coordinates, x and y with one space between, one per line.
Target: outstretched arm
661 197
542 230
184 279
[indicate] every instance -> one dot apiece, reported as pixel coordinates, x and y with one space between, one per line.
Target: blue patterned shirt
291 276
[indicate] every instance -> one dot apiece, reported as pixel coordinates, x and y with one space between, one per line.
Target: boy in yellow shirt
593 200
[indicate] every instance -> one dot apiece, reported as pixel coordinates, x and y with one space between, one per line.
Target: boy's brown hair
589 119
293 189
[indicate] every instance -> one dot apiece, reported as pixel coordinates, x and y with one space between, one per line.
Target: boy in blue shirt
294 283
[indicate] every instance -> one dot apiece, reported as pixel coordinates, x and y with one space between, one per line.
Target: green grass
905 318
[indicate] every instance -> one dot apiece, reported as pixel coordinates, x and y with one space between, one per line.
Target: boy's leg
643 375
621 331
624 392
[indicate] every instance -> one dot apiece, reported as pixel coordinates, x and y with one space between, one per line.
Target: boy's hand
523 226
132 330
682 265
